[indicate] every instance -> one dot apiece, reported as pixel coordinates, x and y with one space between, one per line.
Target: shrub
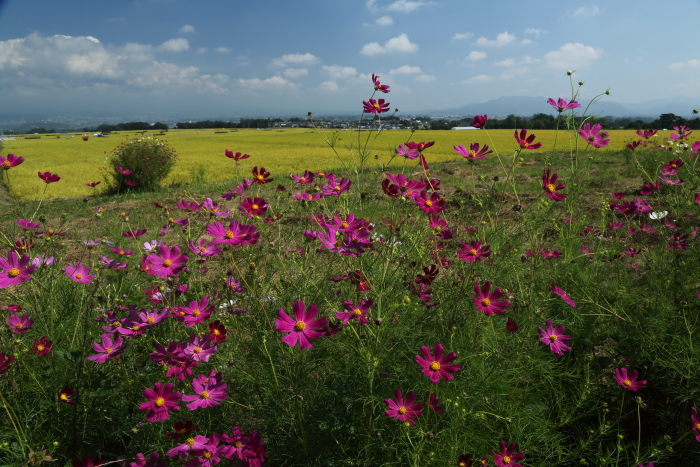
144 161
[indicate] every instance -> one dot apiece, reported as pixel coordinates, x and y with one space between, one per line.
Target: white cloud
586 11
475 55
186 29
385 21
330 86
528 59
572 55
339 72
693 63
512 73
480 79
202 50
406 6
535 32
401 43
501 40
163 75
425 78
525 42
222 50
295 59
506 62
274 82
370 5
295 72
175 45
405 70
462 35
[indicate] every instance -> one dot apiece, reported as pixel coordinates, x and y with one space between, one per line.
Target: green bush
145 161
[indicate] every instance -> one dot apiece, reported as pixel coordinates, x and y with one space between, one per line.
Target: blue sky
232 58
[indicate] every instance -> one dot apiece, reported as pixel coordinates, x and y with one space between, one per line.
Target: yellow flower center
357 312
78 276
309 197
674 166
376 105
344 225
551 188
14 272
167 263
261 177
207 455
216 332
197 350
627 382
697 426
19 326
472 153
50 231
300 326
428 203
302 179
506 459
63 396
135 328
190 441
205 395
238 444
402 410
229 235
255 207
40 348
472 252
338 244
196 312
160 402
150 320
435 366
170 219
108 350
486 302
553 337
336 188
116 324
214 209
6 163
202 249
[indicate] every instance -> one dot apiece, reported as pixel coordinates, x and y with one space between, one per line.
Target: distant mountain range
527 106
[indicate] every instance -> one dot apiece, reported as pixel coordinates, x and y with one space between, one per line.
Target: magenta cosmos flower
473 152
305 178
525 141
379 86
473 251
629 381
209 393
336 186
15 269
254 206
161 401
696 423
375 106
168 262
479 121
10 161
593 135
303 328
20 324
430 205
358 312
79 273
555 338
550 187
406 152
401 409
435 365
26 224
488 302
561 104
109 348
507 458
48 177
563 295
235 234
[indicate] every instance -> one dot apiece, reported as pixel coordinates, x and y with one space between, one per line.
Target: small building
464 128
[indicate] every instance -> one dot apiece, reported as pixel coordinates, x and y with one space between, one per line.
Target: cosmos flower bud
569 73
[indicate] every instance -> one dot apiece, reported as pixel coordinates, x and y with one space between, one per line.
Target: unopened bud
696 111
569 73
580 83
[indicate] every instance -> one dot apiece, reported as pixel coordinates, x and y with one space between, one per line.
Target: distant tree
667 121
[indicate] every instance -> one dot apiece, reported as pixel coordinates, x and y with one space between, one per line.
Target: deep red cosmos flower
404 409
353 311
87 461
48 177
525 141
629 381
435 365
634 145
465 460
261 176
217 331
375 106
236 156
488 302
42 346
696 423
479 121
182 429
550 189
5 361
67 395
93 184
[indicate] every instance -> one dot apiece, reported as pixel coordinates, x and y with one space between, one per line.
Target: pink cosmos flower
683 132
473 251
670 181
305 178
236 157
168 262
10 161
526 142
563 295
208 204
308 197
15 269
593 135
561 104
79 273
196 313
134 233
48 177
406 152
695 147
379 86
254 206
204 248
479 121
435 365
209 392
26 224
646 134
474 152
430 205
420 146
20 324
140 461
124 171
161 401
550 189
190 446
235 234
555 338
404 409
375 106
629 381
507 458
336 186
358 312
130 182
200 349
108 350
303 328
189 206
696 423
488 302
550 254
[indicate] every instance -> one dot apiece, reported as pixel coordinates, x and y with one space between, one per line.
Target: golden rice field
280 151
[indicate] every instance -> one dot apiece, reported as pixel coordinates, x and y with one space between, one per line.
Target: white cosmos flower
658 215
